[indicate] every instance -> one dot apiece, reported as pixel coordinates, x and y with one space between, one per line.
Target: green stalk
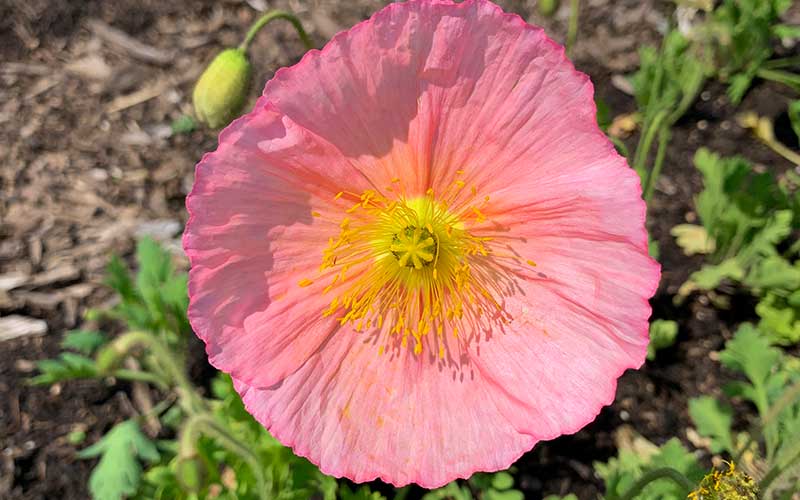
572 27
653 475
109 356
652 176
206 424
269 17
784 62
139 376
785 77
788 398
646 142
779 469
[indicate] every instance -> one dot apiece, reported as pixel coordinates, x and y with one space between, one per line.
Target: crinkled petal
252 237
400 418
579 321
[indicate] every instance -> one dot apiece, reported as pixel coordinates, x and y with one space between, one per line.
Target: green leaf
493 494
621 472
67 366
571 496
710 276
786 31
362 493
750 353
119 278
693 239
662 334
780 318
118 473
794 116
774 272
604 117
183 125
502 481
713 420
83 341
451 491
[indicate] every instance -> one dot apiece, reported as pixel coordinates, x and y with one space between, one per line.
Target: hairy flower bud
222 88
548 7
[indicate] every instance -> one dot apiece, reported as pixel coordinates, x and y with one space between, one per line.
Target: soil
89 165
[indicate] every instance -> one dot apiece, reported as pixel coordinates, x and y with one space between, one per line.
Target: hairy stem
653 475
572 27
269 17
652 176
204 423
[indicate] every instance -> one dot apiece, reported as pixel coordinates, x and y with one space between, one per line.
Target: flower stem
653 475
572 27
206 424
652 176
269 17
651 128
139 376
784 62
785 77
788 398
123 344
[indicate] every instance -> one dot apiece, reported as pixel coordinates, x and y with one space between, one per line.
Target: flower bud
548 7
222 88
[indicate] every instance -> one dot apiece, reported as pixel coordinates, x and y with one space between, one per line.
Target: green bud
548 7
222 88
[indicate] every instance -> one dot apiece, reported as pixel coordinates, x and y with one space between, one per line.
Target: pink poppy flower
418 255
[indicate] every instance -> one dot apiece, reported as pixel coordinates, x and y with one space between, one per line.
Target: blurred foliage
772 386
620 473
738 40
748 219
211 447
663 333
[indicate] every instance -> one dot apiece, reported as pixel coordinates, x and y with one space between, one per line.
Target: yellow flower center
415 265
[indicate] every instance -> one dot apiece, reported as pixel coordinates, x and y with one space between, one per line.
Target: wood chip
92 67
60 274
15 326
142 95
25 68
130 45
10 281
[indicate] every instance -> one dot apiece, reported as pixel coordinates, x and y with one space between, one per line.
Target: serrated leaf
67 366
83 341
713 419
774 272
749 352
119 278
780 319
710 276
118 473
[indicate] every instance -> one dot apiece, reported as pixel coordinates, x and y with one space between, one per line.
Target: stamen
415 267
